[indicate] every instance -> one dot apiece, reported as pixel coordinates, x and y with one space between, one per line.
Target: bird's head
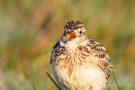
74 31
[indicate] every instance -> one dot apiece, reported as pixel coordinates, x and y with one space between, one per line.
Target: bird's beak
71 35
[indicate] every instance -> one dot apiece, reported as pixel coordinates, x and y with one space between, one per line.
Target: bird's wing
55 47
103 59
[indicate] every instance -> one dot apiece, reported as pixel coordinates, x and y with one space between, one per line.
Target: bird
78 62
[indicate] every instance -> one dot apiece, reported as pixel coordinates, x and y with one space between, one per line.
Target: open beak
71 35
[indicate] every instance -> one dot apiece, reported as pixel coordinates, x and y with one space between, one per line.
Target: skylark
79 63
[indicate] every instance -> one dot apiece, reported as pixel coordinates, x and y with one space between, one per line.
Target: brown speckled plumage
80 63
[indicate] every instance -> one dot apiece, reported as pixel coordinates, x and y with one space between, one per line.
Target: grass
54 82
114 77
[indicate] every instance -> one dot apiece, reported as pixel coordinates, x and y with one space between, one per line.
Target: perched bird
79 63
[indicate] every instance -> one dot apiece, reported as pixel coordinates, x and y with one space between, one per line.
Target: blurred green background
30 28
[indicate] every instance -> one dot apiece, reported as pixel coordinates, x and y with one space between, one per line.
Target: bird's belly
81 77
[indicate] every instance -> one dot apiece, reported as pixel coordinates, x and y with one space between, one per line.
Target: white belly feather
84 77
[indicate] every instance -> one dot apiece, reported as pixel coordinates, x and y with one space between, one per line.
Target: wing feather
103 59
55 47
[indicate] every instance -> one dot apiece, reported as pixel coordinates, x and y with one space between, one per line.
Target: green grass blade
115 80
53 81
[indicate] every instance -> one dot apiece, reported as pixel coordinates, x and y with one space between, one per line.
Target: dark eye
80 32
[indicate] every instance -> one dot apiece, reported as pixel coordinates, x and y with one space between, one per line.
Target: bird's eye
80 32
